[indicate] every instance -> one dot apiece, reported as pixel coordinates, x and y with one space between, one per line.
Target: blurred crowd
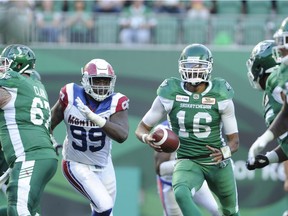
49 19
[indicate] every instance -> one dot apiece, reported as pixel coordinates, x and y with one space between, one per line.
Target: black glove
260 162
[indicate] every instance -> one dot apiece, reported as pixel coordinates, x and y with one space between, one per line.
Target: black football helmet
17 57
195 64
281 40
261 62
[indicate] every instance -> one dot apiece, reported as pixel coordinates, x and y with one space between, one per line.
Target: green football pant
26 185
189 176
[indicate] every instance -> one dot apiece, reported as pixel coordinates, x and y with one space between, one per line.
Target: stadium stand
167 29
106 29
237 22
229 7
195 31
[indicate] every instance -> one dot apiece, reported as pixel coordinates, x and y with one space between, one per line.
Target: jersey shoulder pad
65 92
9 74
120 102
66 88
11 79
169 87
222 89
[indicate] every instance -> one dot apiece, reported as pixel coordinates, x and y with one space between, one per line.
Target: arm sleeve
228 117
155 113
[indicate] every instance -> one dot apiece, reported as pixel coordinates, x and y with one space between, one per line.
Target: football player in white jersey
164 166
94 115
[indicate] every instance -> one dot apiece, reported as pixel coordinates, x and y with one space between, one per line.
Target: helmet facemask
195 64
4 64
195 71
96 90
98 79
261 63
254 81
281 40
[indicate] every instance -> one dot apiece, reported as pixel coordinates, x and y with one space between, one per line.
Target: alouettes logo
208 100
182 98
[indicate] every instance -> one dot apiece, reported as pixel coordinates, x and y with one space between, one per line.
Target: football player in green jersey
262 74
197 108
24 129
280 124
279 127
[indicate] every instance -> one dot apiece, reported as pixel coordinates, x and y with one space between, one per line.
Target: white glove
87 113
259 145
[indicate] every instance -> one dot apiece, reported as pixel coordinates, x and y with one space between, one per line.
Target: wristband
144 137
226 152
272 157
96 119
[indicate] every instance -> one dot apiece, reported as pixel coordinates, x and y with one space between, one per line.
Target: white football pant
96 184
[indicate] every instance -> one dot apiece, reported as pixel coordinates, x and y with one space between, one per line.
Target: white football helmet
98 79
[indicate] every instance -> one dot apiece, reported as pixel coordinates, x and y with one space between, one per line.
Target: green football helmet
261 62
17 57
195 64
281 40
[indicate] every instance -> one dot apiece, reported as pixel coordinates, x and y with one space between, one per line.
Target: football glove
87 113
260 162
255 149
259 145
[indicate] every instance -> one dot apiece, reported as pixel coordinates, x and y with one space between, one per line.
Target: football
167 139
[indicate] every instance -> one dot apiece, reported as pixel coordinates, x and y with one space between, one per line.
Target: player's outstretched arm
277 155
280 125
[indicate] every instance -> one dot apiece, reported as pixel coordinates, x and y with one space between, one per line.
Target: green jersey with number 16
25 119
196 118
